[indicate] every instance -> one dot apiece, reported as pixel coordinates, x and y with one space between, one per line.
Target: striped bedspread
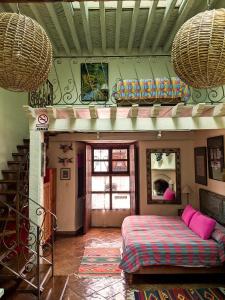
165 240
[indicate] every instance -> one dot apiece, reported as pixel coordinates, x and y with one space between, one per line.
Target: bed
164 244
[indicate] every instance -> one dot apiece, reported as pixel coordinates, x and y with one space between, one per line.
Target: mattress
165 240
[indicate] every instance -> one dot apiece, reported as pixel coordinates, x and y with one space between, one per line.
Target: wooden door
87 198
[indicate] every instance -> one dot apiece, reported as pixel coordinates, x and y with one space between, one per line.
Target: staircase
26 259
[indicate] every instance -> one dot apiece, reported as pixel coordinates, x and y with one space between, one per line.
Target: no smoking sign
42 122
43 119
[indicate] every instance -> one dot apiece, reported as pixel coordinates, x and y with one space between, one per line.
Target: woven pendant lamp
198 50
25 53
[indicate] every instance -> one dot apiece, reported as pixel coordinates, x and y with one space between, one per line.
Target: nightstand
180 211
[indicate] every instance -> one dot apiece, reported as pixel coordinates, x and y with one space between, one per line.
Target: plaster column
35 178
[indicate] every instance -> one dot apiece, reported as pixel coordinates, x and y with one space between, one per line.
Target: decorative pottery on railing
161 90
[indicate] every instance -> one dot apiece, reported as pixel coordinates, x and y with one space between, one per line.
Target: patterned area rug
100 262
179 294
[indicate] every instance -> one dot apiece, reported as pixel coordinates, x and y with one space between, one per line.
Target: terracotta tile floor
69 253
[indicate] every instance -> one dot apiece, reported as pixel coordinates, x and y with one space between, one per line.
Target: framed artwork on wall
200 165
94 82
65 174
215 148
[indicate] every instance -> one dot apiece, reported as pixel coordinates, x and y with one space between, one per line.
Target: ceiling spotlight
159 134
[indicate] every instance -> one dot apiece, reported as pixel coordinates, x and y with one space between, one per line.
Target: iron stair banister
23 222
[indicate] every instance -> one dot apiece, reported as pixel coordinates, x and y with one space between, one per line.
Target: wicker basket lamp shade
198 50
25 53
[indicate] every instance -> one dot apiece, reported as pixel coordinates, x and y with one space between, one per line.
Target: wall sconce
187 190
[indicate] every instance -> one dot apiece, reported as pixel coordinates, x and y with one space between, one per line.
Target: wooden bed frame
211 204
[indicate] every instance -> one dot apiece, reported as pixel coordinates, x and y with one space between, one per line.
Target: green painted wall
13 124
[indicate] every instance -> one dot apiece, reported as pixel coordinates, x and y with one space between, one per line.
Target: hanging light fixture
25 53
198 50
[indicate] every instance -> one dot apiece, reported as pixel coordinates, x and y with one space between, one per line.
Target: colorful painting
94 82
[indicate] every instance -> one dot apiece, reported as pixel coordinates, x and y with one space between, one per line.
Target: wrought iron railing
24 247
43 96
53 94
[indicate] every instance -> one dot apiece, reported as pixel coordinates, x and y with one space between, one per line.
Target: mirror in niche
163 176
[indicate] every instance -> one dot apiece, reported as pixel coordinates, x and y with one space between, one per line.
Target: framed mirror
163 176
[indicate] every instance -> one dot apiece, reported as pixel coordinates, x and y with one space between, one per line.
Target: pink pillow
169 194
187 214
202 225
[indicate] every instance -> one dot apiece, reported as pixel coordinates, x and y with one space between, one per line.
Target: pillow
220 227
187 214
169 194
202 225
218 236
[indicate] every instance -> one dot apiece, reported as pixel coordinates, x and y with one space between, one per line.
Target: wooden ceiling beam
168 11
57 25
133 112
93 111
52 112
85 19
29 111
148 24
38 18
155 109
118 25
180 20
198 109
36 14
68 10
133 25
103 27
113 110
219 110
176 110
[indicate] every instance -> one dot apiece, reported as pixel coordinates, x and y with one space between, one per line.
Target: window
110 178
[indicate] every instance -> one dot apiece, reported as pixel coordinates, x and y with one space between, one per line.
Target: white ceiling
123 28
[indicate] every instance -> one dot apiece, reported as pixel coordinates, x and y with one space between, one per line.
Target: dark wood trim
149 176
200 151
69 233
161 269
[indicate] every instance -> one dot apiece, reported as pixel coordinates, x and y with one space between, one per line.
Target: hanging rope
208 4
17 7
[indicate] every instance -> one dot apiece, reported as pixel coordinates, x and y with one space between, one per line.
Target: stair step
25 146
8 192
13 162
8 181
55 288
26 141
7 219
17 154
45 273
9 171
7 232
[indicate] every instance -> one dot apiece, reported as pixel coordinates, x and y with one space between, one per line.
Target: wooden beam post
93 112
176 110
155 110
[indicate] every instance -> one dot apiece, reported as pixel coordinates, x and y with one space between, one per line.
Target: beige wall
201 141
187 174
68 206
13 124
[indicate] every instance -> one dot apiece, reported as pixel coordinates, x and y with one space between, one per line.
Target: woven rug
179 294
100 262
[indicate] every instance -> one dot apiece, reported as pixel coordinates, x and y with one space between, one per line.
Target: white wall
13 124
67 72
